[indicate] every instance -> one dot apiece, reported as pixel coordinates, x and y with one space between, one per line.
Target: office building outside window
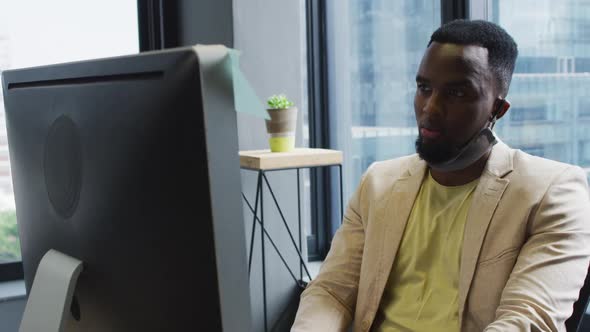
550 91
374 49
48 32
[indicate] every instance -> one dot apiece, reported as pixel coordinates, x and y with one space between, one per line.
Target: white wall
271 36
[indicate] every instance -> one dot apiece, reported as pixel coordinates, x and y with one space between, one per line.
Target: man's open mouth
430 133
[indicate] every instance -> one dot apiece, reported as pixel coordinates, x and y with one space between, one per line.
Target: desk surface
298 158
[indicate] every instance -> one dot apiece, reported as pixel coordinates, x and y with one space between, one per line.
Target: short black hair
502 49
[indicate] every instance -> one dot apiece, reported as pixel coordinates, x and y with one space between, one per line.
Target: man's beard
435 152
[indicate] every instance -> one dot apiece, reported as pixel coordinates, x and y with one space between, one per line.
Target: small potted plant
282 124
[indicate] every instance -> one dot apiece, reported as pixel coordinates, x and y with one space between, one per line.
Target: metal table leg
299 224
341 194
263 233
255 215
261 174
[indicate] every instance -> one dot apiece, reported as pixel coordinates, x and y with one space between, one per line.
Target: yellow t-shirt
422 290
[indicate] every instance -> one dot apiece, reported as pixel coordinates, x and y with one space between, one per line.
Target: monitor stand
50 299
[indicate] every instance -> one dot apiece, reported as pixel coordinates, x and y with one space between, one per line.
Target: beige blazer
526 246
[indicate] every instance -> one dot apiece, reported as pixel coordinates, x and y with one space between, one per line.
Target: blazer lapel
485 199
392 216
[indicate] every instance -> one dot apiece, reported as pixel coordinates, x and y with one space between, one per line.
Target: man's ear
501 107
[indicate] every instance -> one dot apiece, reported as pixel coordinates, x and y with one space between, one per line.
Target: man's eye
456 92
423 87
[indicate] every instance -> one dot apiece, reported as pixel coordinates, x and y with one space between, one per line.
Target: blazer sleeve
328 302
552 264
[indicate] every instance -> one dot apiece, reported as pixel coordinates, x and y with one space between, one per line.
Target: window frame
11 271
319 240
157 24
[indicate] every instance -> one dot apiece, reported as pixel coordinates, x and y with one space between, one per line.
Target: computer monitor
130 165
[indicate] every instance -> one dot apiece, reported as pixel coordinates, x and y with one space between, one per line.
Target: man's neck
460 177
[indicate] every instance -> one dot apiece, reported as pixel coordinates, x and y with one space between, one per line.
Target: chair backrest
578 317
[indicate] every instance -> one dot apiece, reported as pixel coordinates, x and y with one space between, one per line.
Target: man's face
454 99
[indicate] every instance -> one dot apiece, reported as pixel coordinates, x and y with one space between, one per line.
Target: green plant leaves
279 102
9 244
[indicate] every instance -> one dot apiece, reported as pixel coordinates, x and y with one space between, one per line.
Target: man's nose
433 103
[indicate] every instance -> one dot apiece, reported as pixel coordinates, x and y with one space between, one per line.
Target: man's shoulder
541 169
532 176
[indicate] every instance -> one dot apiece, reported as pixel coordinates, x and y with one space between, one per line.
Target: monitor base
50 299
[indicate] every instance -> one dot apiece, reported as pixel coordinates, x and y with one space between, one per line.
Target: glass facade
374 49
550 114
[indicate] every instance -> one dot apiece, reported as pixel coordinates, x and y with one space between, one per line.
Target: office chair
579 321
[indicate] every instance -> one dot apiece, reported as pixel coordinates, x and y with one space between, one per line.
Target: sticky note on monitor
245 98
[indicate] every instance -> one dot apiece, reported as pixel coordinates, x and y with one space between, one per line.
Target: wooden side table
263 161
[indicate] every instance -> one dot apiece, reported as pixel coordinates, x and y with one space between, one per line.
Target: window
583 109
374 48
48 32
549 90
521 114
534 150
